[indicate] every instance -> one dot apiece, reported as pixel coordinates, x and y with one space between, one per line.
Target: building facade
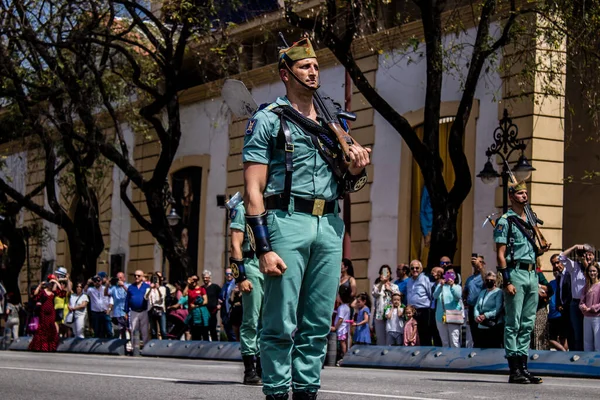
385 214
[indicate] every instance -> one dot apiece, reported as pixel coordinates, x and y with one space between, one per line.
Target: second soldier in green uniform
244 266
516 254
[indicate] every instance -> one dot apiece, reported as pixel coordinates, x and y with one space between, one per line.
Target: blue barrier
556 363
114 347
224 351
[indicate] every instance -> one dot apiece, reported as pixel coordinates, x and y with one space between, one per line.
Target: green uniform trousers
252 307
298 306
520 312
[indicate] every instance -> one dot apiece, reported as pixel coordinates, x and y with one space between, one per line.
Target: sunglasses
137 276
228 274
415 268
444 262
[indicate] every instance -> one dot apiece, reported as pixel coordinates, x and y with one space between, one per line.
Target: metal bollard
135 341
331 356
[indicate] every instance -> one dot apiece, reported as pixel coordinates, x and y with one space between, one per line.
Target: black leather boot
516 376
279 396
525 372
259 368
304 395
250 377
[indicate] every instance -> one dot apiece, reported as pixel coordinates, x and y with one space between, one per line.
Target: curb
222 351
541 362
115 347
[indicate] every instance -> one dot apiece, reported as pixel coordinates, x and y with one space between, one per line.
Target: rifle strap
321 137
289 161
525 230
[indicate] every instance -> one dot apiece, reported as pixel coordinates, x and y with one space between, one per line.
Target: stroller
176 326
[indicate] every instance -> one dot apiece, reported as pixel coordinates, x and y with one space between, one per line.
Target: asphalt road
26 376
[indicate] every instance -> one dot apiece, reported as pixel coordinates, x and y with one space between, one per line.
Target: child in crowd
362 334
411 335
394 326
342 326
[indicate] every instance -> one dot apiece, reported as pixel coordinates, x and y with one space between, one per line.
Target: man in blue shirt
473 287
402 271
225 306
136 306
419 295
117 289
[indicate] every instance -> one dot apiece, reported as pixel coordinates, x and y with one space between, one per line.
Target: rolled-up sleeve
260 130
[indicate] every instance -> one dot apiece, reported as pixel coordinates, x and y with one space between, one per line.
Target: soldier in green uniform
244 266
292 216
516 254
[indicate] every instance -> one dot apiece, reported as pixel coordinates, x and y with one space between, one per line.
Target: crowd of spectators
414 308
437 309
105 307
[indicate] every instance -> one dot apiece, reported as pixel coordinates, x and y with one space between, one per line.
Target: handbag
34 324
70 318
156 312
454 317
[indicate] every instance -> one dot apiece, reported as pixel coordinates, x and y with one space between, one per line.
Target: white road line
152 378
157 378
387 396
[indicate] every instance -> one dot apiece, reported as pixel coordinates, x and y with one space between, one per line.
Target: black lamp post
505 143
172 217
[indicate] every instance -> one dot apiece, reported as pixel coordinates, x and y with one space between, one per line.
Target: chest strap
289 162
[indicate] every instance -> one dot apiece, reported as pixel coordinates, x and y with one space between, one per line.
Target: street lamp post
505 143
172 217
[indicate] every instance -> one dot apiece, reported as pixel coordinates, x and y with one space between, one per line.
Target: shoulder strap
289 161
520 224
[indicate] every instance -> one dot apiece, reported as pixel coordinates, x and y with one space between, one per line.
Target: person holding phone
383 289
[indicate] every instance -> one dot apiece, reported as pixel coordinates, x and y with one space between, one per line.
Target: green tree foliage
73 73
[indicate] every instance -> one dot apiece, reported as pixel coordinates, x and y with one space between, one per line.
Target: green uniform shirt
312 178
238 221
523 250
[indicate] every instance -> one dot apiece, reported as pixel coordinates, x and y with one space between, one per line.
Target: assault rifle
332 115
532 217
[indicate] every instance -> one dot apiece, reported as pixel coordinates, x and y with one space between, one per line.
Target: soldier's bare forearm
255 180
237 238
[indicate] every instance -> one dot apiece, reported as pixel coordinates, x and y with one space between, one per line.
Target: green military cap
516 187
298 51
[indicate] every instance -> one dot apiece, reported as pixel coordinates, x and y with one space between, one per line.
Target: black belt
248 254
313 206
525 267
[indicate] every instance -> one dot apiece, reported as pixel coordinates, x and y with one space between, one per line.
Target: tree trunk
14 259
444 235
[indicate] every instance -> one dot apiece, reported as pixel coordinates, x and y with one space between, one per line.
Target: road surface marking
387 396
157 378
